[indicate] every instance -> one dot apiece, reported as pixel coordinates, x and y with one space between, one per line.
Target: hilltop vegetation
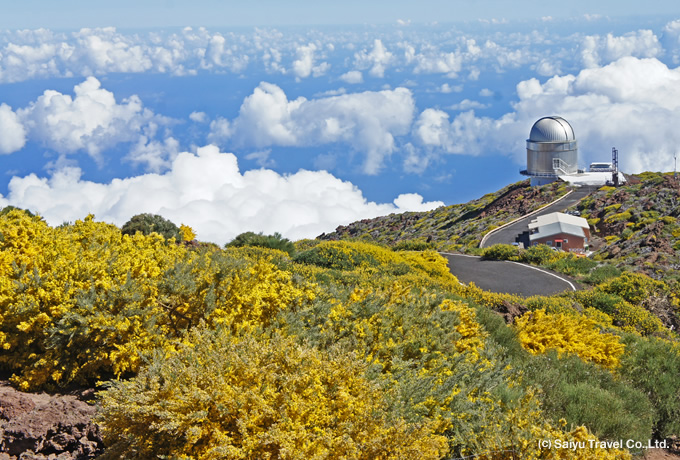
634 226
335 348
451 228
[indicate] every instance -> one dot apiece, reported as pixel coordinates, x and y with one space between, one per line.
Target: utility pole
675 165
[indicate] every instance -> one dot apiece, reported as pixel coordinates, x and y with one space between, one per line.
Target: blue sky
68 14
300 116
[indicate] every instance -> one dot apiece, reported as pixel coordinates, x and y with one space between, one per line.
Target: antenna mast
615 167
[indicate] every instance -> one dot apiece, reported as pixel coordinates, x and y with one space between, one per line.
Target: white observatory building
552 151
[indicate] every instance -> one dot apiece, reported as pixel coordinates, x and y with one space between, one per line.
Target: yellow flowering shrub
54 280
81 302
540 331
187 233
226 396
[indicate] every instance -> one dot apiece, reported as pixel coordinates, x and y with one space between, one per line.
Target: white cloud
198 117
377 60
154 155
367 121
447 89
219 54
597 50
92 121
671 40
352 77
207 191
467 104
12 131
262 158
304 66
435 61
220 131
105 50
633 104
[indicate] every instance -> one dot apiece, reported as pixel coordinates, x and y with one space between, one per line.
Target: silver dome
552 129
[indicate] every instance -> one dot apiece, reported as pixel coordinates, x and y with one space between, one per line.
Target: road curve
507 234
506 277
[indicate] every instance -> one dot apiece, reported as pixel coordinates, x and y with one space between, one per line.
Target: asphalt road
507 277
507 235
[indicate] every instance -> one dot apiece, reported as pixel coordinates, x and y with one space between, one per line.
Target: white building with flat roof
559 230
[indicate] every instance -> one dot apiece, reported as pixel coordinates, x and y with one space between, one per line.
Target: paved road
506 277
507 235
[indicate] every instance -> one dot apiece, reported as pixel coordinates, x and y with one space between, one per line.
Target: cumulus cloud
367 121
220 131
632 104
207 191
92 121
377 60
220 54
198 117
435 61
671 40
12 132
467 104
304 65
597 50
352 77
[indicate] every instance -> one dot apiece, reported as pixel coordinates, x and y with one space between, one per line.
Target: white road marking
521 265
544 271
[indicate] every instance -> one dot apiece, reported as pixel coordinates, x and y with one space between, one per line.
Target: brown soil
660 454
43 426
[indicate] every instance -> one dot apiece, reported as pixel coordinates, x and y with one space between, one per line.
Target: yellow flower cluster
244 397
540 331
82 301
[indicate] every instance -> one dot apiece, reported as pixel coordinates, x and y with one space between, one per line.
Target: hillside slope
456 227
635 225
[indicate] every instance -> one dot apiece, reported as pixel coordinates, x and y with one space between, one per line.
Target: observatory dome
552 129
552 150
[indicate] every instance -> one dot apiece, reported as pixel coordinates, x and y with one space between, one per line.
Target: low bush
583 393
601 273
502 252
542 254
412 245
572 265
653 366
150 223
275 241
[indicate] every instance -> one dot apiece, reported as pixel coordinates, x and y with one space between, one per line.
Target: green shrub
634 287
586 394
602 301
7 209
653 366
412 245
541 254
601 273
501 252
149 223
626 234
573 265
579 392
620 217
275 241
336 256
